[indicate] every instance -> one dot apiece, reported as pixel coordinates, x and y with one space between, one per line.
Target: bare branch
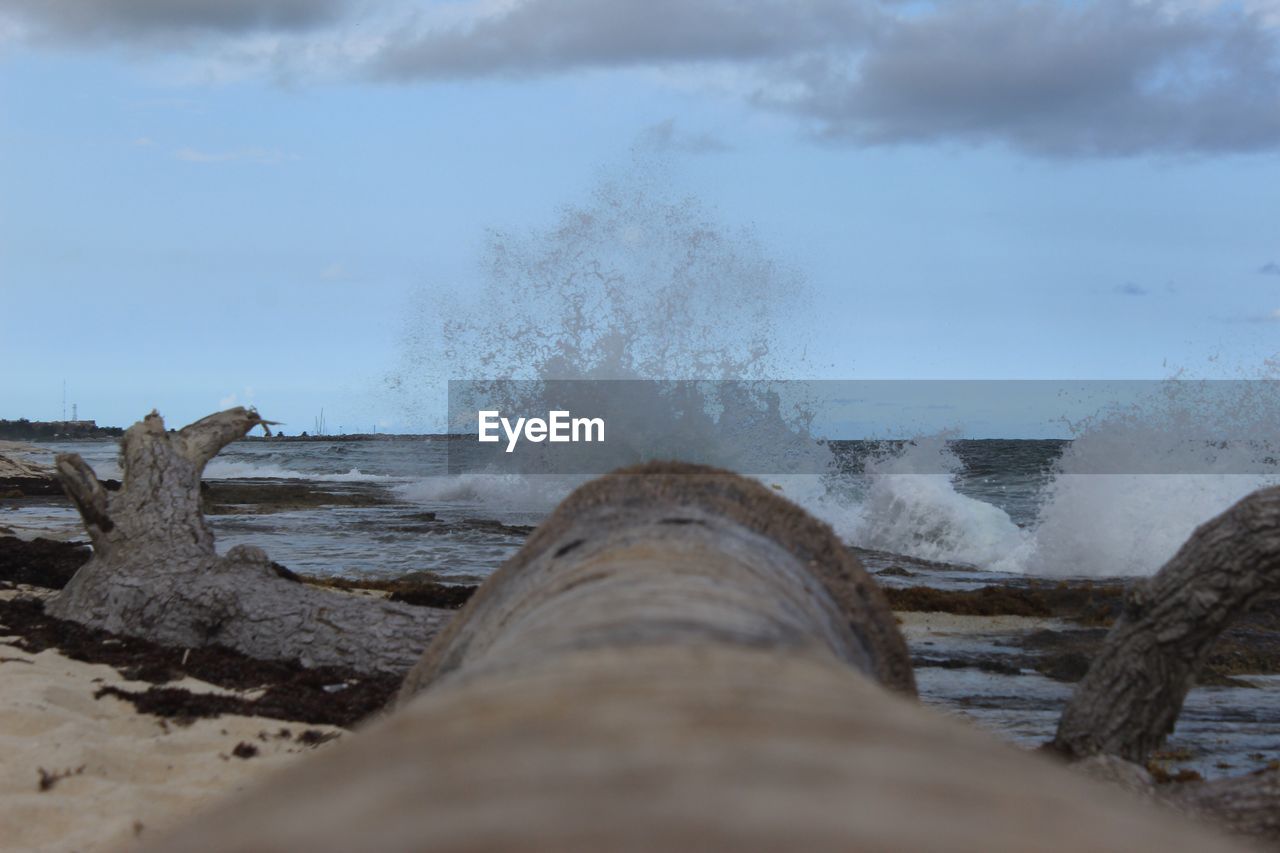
84 489
203 439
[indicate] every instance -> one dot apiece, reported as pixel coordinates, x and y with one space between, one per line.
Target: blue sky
205 203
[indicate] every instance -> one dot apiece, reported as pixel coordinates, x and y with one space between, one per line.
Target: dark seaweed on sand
320 696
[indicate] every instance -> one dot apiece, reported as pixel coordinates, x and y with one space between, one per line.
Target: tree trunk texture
678 659
155 574
1133 692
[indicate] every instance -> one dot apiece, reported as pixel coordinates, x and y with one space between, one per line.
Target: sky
207 203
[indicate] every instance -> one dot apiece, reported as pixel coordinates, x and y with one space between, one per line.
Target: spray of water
639 282
636 282
1186 452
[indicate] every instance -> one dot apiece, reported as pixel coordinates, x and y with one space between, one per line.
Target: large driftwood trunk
678 659
155 573
1133 692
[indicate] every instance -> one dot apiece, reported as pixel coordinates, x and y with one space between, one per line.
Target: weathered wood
699 555
1243 805
1247 806
1133 692
678 659
155 573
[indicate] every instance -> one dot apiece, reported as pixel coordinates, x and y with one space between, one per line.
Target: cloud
546 36
1131 289
1269 268
263 156
1050 78
664 136
1047 77
162 22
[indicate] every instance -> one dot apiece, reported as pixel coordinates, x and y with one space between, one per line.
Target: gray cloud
542 36
1056 78
1049 77
102 22
1269 268
1093 79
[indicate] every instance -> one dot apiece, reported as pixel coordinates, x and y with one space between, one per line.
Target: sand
916 626
131 773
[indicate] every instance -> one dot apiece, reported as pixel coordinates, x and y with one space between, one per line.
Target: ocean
1007 506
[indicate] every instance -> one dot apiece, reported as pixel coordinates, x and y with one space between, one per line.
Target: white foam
1131 522
499 494
231 469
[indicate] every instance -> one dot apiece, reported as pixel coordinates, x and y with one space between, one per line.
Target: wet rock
987 601
985 664
1065 666
1116 771
422 589
450 597
896 572
266 496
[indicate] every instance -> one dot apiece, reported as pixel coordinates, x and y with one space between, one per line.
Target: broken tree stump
155 574
678 659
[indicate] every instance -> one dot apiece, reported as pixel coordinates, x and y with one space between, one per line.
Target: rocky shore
21 475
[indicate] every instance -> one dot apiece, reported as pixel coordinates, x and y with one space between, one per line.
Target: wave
640 282
230 469
500 495
1088 522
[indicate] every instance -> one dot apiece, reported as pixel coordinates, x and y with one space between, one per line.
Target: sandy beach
93 774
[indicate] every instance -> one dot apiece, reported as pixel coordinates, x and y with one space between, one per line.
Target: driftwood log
155 573
1130 698
678 659
1132 694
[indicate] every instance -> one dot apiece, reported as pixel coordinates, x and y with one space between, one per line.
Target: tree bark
155 573
678 659
1133 692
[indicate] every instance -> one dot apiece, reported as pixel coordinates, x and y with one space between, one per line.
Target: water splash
910 505
640 282
1188 451
636 282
